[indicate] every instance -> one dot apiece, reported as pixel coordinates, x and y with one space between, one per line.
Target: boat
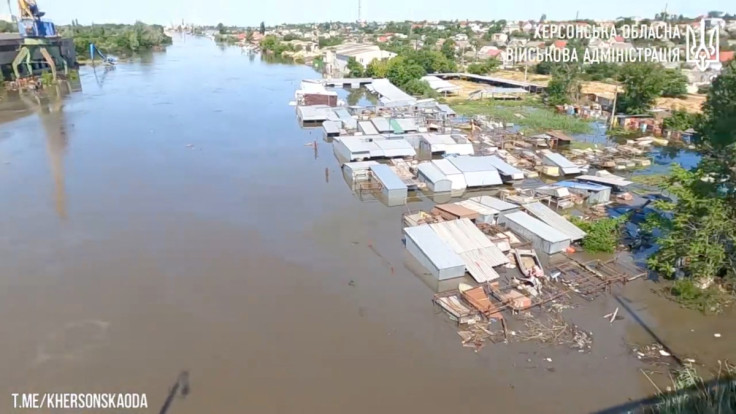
477 297
526 260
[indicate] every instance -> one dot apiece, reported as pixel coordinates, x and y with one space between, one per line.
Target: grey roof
506 168
495 203
367 128
342 113
381 124
537 227
433 247
466 163
477 251
388 177
407 124
562 162
390 93
332 127
431 171
395 148
446 109
314 112
610 181
555 220
446 166
439 85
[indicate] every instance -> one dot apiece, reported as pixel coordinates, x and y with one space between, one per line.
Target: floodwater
169 217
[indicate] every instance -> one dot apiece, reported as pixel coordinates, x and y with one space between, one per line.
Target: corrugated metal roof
390 93
381 124
446 167
555 220
482 178
478 207
395 127
466 163
506 168
433 247
541 229
614 181
407 124
314 112
388 177
495 203
332 127
431 171
583 186
440 85
342 113
560 161
367 128
479 254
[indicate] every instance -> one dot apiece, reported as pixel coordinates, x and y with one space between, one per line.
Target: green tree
601 71
698 228
674 83
262 29
448 49
377 69
221 28
564 87
400 71
680 121
355 69
642 84
483 68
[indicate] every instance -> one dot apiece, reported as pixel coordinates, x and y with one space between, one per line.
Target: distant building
500 37
363 54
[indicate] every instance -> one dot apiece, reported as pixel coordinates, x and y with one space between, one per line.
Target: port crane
39 38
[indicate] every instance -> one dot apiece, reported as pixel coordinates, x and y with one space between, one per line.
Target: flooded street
169 217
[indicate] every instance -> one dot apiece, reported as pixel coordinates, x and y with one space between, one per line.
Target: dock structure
543 237
554 220
493 81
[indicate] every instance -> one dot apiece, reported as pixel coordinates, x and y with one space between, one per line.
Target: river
169 217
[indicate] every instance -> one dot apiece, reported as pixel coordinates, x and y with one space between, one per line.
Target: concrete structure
392 188
436 181
555 220
544 238
593 193
566 166
430 251
356 148
478 171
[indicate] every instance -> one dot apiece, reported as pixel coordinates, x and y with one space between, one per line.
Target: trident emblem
699 51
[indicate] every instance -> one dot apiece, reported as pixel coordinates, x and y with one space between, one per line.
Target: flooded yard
169 217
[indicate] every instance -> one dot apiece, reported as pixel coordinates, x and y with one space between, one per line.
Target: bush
47 78
602 235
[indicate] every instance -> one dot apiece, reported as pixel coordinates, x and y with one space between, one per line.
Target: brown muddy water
168 217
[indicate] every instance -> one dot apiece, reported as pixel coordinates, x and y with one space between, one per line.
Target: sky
251 13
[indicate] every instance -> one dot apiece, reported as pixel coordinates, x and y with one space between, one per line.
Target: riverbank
530 114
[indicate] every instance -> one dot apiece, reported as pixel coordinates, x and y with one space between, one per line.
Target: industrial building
362 53
477 171
543 237
393 189
366 147
432 253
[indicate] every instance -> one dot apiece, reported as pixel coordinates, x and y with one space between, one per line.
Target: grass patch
603 235
581 145
709 300
528 113
652 180
693 395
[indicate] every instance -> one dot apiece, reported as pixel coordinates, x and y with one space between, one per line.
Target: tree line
120 39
